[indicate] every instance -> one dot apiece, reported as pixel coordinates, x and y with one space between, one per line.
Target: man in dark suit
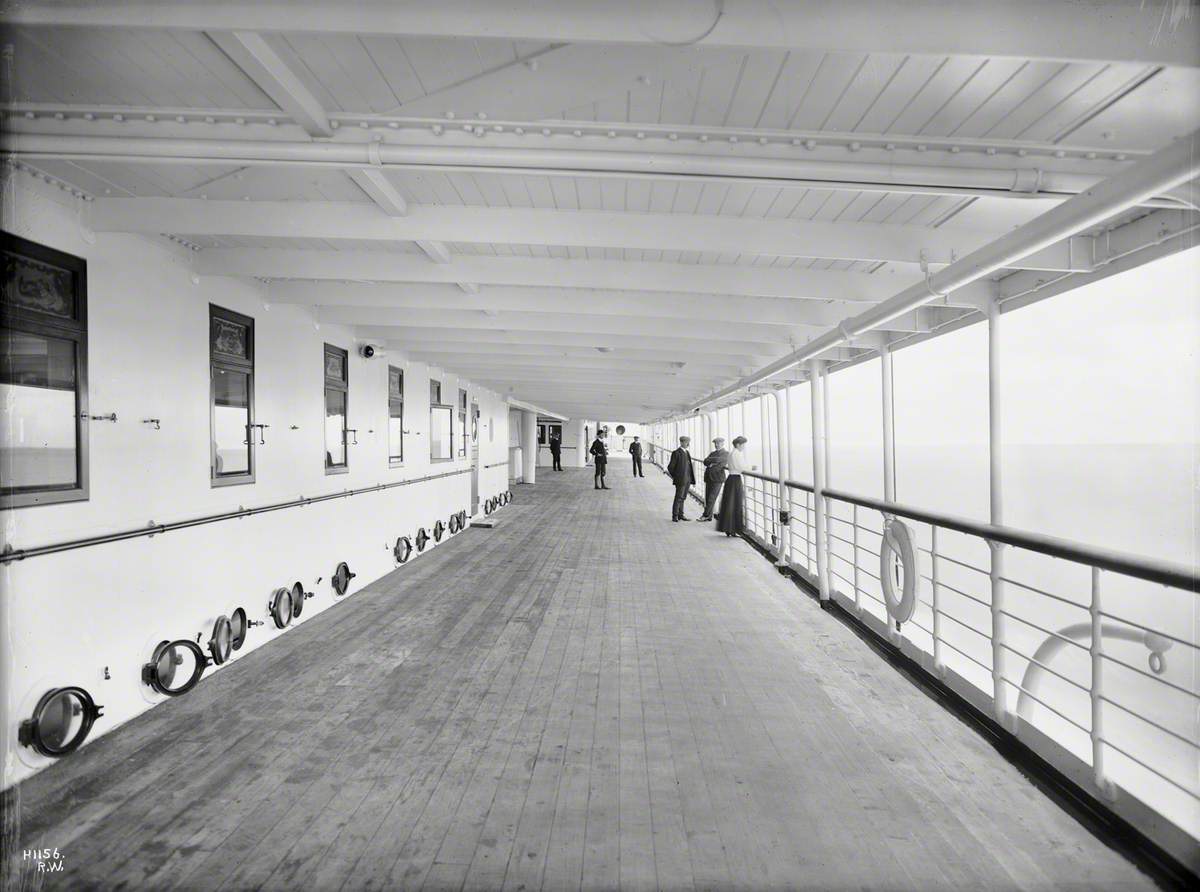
599 453
635 451
714 476
556 449
680 469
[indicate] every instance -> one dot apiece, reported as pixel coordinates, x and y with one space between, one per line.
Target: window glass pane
396 431
231 414
440 425
462 433
38 439
335 428
395 382
229 338
335 366
435 393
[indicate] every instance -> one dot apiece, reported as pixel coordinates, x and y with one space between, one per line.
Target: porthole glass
281 607
439 529
61 721
422 539
299 596
452 526
341 578
489 506
239 625
175 667
220 645
402 550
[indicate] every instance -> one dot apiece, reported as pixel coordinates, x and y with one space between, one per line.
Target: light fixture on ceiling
605 349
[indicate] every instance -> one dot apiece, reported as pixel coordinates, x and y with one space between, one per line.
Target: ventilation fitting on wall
422 539
439 529
280 607
402 550
61 722
341 578
175 667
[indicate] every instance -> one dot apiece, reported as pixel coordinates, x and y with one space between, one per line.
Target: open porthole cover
422 539
281 607
341 578
462 520
402 549
453 526
239 625
298 596
488 506
439 529
175 667
61 721
220 645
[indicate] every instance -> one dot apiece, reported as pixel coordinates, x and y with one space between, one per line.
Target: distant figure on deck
635 452
599 452
714 476
731 520
680 469
556 450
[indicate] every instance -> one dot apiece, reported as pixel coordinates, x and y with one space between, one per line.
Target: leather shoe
685 518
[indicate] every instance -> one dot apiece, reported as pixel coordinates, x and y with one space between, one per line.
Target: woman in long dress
731 520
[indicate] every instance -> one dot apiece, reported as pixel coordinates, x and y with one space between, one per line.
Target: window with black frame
441 425
337 395
43 375
395 416
462 424
231 417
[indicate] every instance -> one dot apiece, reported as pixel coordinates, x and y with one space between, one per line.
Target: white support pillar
742 431
1003 714
529 446
581 444
889 431
782 408
764 443
818 444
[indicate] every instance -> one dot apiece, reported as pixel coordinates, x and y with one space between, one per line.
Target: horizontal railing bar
1153 724
1038 591
956 591
1166 635
1150 675
950 560
1152 770
1047 667
1151 570
965 625
21 554
1049 632
1036 699
984 666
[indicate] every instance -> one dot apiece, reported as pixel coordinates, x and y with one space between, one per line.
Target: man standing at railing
714 476
680 469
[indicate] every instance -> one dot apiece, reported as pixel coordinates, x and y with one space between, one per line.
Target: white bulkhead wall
71 615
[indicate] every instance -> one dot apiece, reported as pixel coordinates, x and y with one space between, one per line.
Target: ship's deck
587 695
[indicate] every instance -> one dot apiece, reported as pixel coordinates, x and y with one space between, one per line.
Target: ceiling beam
377 187
600 365
1039 29
527 226
277 263
251 53
538 349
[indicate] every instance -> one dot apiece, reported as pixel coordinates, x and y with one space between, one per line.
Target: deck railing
1100 679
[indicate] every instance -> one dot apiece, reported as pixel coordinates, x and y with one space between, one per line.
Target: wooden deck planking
586 697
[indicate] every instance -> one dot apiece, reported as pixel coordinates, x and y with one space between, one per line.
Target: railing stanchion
857 587
818 444
1096 691
783 424
995 490
938 663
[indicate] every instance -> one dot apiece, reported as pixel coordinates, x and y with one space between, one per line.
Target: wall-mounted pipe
1152 176
1018 182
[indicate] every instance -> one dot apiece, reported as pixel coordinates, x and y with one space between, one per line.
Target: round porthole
422 539
439 530
239 625
620 430
508 497
462 520
341 578
61 721
488 507
298 597
175 667
402 549
220 645
281 607
452 525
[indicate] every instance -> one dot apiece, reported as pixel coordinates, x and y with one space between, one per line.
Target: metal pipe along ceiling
1154 175
1021 181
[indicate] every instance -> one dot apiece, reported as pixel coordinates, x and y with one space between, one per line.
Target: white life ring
898 543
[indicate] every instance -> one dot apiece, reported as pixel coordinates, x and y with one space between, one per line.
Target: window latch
262 441
112 416
347 433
